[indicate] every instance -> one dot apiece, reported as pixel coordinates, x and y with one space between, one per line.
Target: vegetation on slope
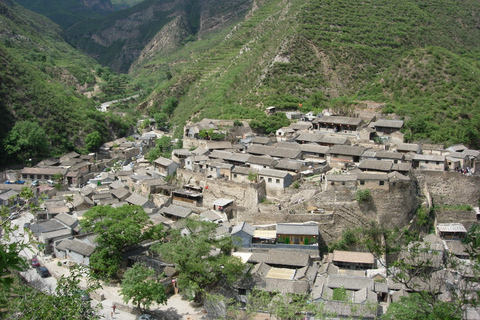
311 55
67 12
39 77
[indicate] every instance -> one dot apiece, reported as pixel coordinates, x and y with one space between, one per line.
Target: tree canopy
141 285
192 255
116 230
26 140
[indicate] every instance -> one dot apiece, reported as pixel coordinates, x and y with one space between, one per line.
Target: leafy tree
414 307
161 119
363 195
270 124
26 140
117 229
26 302
142 286
191 253
163 147
170 104
93 141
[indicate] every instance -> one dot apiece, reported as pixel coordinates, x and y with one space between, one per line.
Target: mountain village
285 198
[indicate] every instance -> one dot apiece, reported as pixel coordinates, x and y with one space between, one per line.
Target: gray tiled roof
177 211
378 165
80 247
347 150
389 155
273 173
349 282
245 227
397 124
297 229
219 154
288 258
339 120
309 137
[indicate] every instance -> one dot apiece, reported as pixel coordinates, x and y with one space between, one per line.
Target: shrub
363 195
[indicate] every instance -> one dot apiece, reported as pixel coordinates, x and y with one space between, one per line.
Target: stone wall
246 195
450 188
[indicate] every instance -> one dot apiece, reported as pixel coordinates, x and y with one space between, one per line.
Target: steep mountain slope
68 12
117 40
320 53
39 78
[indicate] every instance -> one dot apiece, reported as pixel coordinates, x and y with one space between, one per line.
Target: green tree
363 195
26 302
116 230
93 141
191 253
414 307
170 104
161 119
163 148
141 285
26 140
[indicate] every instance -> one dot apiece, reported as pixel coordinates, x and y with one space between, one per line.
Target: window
343 183
362 182
381 183
269 179
277 180
234 175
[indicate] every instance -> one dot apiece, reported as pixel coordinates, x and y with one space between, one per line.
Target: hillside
41 77
327 53
67 12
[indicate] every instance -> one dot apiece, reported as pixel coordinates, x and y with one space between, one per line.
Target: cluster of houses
344 151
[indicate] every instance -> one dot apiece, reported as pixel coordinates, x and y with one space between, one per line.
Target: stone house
451 231
217 169
138 200
373 181
284 134
275 179
175 212
8 198
266 141
261 162
298 233
292 166
121 193
457 160
196 163
386 127
408 147
242 174
309 137
331 140
179 156
376 165
49 231
353 260
301 126
338 124
429 162
77 250
42 174
396 157
165 167
187 198
339 155
314 151
242 234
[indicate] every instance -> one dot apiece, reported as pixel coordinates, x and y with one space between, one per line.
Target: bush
363 195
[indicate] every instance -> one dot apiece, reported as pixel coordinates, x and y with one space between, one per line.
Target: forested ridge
418 58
